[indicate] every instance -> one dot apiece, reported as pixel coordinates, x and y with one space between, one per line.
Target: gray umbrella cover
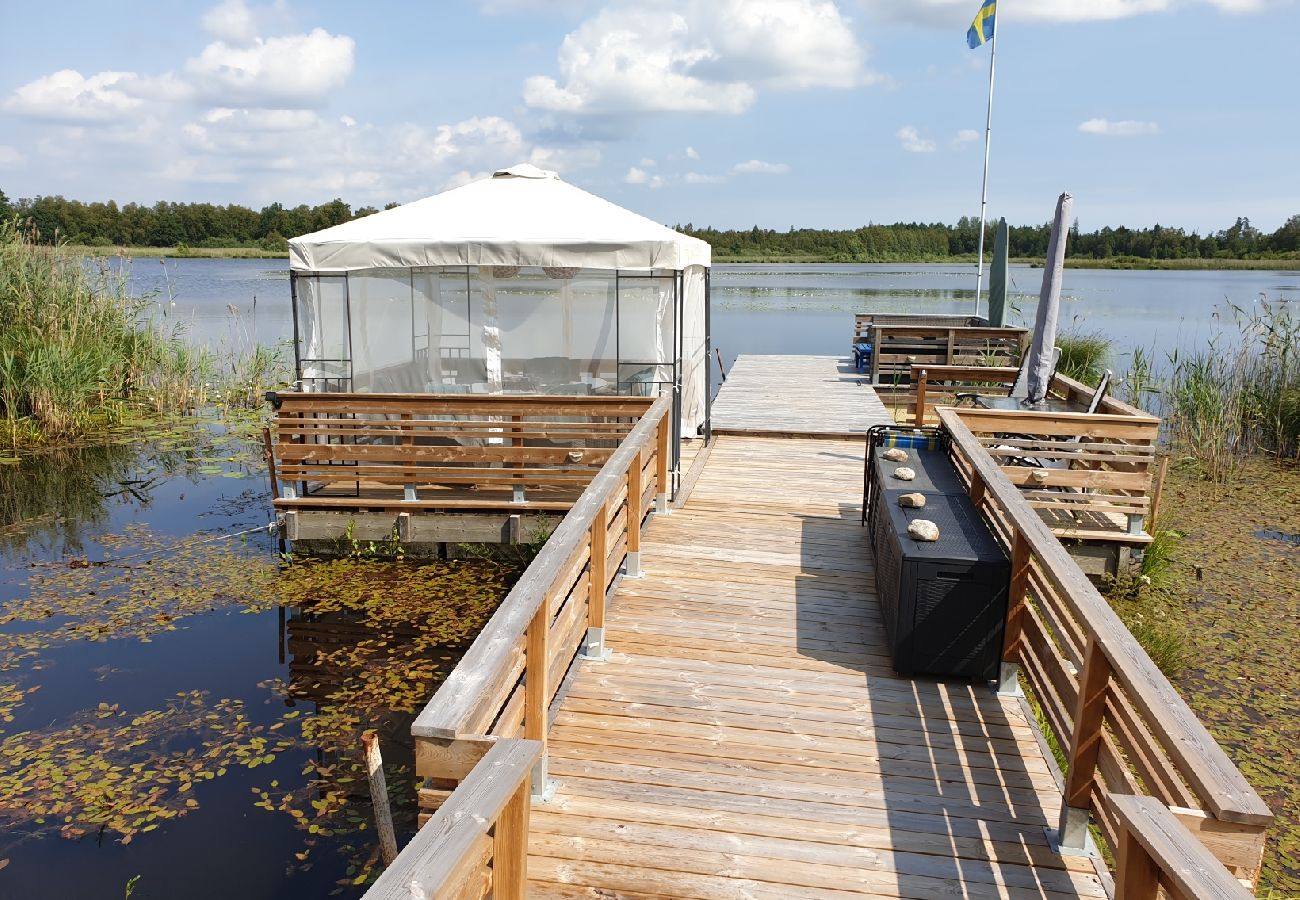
1042 353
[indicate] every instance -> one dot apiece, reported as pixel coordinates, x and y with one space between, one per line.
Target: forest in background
208 225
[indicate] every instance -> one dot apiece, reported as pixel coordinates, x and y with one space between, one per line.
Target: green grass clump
1084 357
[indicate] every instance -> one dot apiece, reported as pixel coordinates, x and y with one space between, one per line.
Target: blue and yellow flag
981 30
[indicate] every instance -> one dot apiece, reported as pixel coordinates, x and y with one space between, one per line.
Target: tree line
204 225
918 241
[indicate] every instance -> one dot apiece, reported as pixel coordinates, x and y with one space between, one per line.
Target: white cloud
231 21
67 95
953 13
565 159
640 176
912 142
1126 128
647 163
759 167
708 56
967 136
261 119
243 113
692 153
470 137
701 178
297 70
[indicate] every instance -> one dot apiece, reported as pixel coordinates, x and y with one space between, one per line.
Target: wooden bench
900 341
388 454
1092 476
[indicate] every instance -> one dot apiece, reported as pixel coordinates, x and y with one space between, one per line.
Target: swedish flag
981 30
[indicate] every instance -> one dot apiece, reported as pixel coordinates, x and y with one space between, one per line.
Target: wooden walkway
748 738
797 396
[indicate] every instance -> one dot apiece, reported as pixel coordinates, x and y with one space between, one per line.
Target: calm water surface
791 308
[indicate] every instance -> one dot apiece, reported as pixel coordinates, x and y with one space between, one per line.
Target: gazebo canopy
521 216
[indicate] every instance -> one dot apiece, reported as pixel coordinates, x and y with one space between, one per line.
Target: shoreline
1125 263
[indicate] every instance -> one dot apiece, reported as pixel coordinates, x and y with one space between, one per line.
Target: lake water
792 309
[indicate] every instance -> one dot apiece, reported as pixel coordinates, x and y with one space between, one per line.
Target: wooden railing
932 386
477 843
1156 852
864 322
897 348
1124 728
1092 476
503 686
375 461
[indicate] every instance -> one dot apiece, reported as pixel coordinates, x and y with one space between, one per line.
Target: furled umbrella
1042 352
998 278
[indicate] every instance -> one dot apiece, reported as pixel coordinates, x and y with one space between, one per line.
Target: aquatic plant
79 352
377 638
1084 357
1238 396
125 773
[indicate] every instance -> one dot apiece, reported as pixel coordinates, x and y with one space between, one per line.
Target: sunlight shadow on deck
965 791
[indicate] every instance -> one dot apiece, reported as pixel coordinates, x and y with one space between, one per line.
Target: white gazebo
518 283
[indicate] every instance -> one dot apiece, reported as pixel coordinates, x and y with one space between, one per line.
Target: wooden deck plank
748 737
817 396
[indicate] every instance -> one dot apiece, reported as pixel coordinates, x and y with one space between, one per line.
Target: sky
731 113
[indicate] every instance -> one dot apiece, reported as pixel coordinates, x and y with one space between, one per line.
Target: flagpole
984 196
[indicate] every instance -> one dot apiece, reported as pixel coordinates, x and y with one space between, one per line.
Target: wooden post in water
379 797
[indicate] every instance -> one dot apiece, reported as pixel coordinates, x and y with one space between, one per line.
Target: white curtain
695 362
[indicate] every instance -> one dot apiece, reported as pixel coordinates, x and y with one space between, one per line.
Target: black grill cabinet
944 602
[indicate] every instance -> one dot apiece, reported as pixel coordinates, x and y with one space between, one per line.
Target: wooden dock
797 396
700 703
748 737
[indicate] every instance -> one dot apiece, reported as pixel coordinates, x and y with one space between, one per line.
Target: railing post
510 849
596 538
632 568
977 489
921 383
661 468
535 691
1085 745
409 491
1017 596
1137 877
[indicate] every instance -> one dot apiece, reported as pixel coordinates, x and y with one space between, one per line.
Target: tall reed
1236 396
1240 395
77 350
